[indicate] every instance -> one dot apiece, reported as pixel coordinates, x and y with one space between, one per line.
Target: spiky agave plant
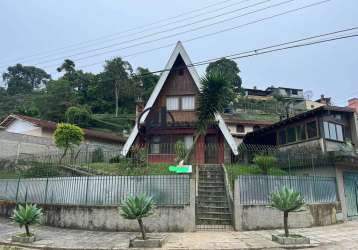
286 200
27 215
137 208
215 94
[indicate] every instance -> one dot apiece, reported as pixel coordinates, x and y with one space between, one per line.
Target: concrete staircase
213 210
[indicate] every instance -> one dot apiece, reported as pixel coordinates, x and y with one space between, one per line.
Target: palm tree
137 208
286 200
215 94
27 215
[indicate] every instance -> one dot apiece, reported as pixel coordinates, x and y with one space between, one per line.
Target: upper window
291 134
188 102
312 131
240 128
172 103
333 131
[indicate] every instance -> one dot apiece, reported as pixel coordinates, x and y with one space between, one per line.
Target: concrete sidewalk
342 236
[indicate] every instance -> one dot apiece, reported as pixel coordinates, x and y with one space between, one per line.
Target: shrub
265 162
67 136
79 116
137 208
286 200
98 155
41 170
27 215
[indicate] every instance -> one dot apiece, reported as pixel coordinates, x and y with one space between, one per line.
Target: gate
351 192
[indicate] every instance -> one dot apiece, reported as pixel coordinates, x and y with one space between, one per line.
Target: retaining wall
173 218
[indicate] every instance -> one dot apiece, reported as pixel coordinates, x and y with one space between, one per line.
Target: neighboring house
326 128
33 133
307 105
170 115
289 94
239 126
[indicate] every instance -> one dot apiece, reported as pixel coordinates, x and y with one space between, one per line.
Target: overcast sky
41 27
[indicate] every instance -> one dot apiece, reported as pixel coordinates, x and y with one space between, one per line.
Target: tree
229 69
137 208
68 66
24 79
78 115
26 216
147 81
67 136
55 100
117 73
214 96
286 200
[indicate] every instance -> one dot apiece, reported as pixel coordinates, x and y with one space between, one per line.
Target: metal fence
96 190
256 190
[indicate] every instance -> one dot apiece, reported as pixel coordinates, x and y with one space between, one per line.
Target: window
301 132
188 141
312 129
282 137
240 129
294 92
333 131
291 134
155 145
188 102
173 103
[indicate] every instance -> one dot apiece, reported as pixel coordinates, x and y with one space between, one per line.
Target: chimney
353 103
139 107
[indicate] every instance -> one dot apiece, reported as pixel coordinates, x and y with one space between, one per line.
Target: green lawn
5 174
124 169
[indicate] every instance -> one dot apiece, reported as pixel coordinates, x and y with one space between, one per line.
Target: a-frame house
170 115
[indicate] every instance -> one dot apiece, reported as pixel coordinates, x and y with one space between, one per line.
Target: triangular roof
178 50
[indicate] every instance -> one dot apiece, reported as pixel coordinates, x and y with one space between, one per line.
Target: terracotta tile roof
88 133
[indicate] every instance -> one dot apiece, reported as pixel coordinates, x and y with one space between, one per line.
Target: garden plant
137 208
286 200
27 215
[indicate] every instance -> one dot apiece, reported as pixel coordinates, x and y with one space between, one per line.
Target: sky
45 32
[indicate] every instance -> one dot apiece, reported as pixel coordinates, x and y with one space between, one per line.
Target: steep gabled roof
178 51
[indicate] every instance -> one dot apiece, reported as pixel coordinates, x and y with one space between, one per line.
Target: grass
124 169
234 170
5 174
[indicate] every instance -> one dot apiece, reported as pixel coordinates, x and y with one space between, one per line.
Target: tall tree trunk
285 223
27 230
116 94
140 222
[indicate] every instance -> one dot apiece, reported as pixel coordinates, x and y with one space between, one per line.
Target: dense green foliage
126 167
286 200
265 162
27 215
30 91
67 137
229 69
137 208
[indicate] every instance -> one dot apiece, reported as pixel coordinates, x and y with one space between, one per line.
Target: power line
208 34
136 28
166 31
261 51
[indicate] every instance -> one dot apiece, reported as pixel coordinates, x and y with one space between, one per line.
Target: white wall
23 127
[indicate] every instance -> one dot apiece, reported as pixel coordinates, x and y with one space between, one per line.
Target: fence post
314 178
7 183
289 170
17 189
87 190
46 191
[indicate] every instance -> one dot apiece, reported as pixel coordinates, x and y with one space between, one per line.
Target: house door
351 192
211 149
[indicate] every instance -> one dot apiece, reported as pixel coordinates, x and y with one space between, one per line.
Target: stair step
204 192
206 201
213 207
215 213
215 219
201 187
211 182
